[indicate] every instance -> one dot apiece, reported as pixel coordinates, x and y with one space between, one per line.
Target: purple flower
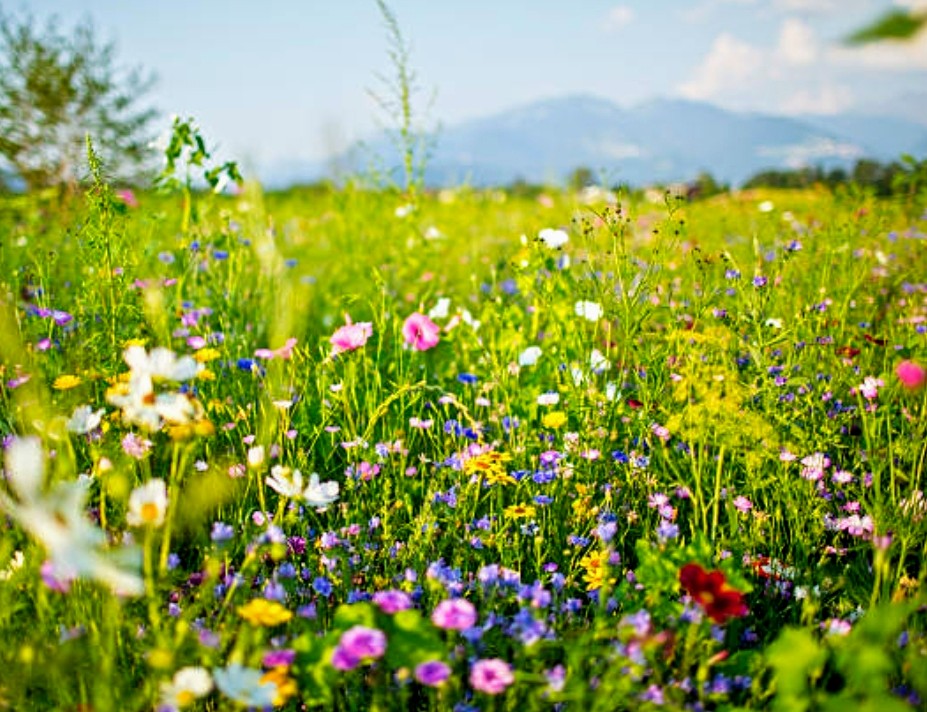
432 673
276 658
358 645
392 601
454 614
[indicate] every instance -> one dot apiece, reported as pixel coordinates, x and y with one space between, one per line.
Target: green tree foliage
55 89
893 25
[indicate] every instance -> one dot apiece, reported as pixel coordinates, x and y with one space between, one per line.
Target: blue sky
290 79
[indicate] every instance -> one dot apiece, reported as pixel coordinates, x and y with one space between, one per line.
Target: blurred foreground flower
56 519
912 375
261 612
139 402
245 686
187 685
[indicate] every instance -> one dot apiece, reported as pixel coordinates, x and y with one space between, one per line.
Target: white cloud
799 155
797 43
618 17
828 99
700 11
809 6
729 64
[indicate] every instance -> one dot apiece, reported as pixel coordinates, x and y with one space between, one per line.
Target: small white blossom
554 239
592 311
530 356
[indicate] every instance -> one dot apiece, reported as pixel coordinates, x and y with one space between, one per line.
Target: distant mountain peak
661 140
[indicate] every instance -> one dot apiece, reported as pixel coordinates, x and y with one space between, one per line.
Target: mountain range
660 141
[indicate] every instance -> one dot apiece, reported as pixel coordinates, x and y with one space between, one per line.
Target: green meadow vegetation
373 446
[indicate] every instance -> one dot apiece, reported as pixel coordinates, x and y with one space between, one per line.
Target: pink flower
420 332
912 375
127 197
454 614
284 352
491 676
870 387
350 336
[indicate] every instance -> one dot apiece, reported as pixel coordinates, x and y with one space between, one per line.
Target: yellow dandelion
66 382
260 611
554 420
206 375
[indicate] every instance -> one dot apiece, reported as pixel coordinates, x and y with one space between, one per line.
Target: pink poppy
420 332
350 336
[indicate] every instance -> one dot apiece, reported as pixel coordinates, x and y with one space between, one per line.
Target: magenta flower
420 332
491 676
350 336
128 198
392 601
432 673
912 375
454 614
342 660
358 645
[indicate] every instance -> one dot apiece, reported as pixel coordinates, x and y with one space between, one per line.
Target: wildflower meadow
369 448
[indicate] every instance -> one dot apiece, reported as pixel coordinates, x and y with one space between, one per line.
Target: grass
699 396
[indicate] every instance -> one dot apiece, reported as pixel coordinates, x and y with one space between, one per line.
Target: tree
57 88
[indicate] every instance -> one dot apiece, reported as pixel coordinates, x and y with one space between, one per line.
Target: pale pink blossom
420 332
351 336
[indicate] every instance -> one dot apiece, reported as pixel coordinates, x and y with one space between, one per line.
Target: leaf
312 667
412 640
795 656
348 616
893 25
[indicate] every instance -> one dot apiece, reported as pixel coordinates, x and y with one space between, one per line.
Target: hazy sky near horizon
291 79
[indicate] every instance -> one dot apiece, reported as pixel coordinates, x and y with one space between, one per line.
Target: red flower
712 592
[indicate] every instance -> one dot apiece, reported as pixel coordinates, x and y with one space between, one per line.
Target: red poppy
712 592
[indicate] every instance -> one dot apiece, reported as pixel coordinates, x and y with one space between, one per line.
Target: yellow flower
260 611
554 420
595 569
286 685
206 355
520 511
66 382
206 375
491 466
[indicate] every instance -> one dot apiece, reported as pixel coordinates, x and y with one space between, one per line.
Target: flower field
471 450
